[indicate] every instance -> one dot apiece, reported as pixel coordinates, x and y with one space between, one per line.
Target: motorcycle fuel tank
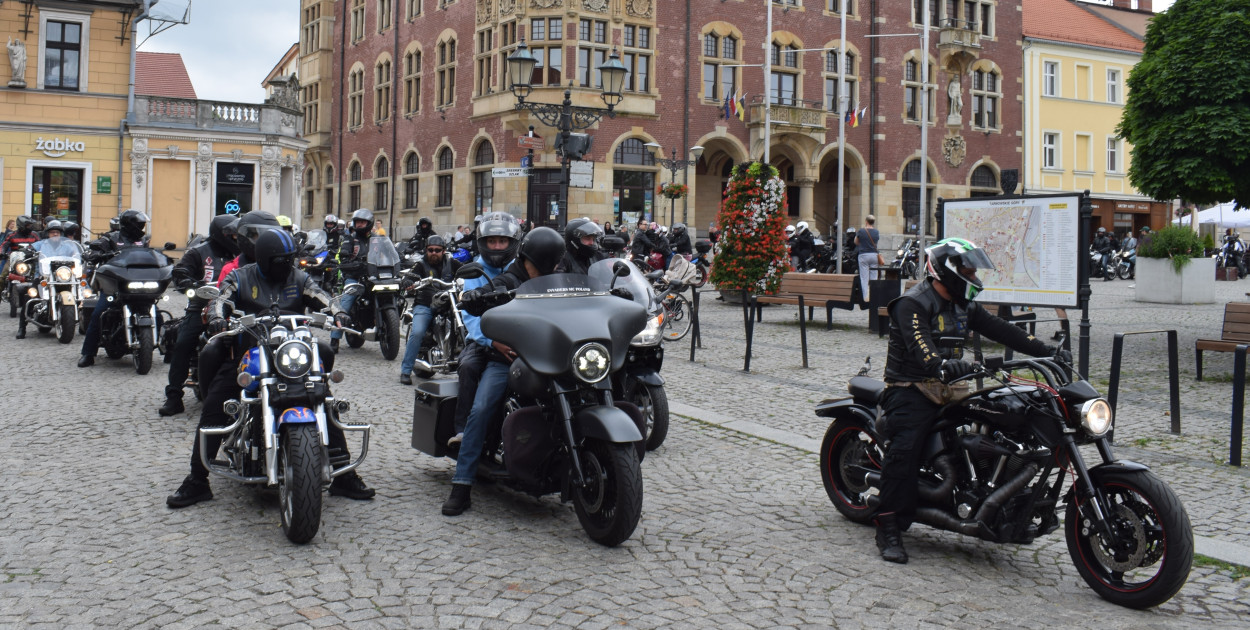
1002 407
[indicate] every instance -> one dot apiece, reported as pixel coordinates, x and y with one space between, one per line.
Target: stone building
408 108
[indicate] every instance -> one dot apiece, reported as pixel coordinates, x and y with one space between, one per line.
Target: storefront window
57 192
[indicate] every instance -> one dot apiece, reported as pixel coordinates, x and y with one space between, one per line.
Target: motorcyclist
659 243
333 235
802 244
24 234
201 264
247 230
1233 248
681 240
131 232
581 244
540 254
53 244
255 289
1102 245
435 264
940 307
642 244
353 254
425 229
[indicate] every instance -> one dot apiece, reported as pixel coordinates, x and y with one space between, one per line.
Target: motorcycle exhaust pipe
1004 492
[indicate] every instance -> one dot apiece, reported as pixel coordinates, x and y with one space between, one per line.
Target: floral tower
752 221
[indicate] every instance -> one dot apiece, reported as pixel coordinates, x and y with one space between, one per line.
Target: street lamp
566 117
673 164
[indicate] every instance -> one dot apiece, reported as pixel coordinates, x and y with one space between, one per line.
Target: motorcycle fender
646 376
297 415
143 321
847 410
606 423
1122 465
66 298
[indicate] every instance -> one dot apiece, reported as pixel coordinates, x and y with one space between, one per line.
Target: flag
726 107
742 106
854 118
733 105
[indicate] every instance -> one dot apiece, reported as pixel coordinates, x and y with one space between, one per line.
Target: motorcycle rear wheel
846 450
388 335
611 503
699 277
299 487
65 323
1151 559
143 354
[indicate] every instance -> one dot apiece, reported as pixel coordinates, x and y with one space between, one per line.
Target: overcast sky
230 45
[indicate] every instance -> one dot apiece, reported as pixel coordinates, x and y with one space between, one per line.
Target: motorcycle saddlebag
434 416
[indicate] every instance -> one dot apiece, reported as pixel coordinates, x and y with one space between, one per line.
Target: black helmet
363 214
425 226
71 229
114 224
679 229
947 257
25 225
435 241
573 233
498 224
250 227
544 248
217 233
132 224
275 255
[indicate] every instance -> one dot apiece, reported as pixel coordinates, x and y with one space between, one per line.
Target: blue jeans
421 318
490 392
91 340
345 303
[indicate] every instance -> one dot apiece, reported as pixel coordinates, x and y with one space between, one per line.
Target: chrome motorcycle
55 296
446 334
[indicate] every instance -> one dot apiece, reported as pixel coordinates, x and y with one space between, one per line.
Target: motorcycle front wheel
299 487
847 453
1149 558
652 401
143 354
908 270
1124 272
65 323
610 504
388 334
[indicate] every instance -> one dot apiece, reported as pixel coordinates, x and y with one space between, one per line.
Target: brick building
407 105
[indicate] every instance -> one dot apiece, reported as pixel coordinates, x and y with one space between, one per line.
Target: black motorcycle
639 381
379 300
907 259
563 430
133 281
316 261
445 336
996 466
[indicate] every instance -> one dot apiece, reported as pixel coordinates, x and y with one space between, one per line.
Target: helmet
285 223
54 225
25 224
363 214
801 227
341 225
217 232
544 248
850 230
789 230
1145 229
132 224
679 229
1102 230
71 229
114 224
435 241
251 226
275 255
947 257
425 226
498 224
663 230
575 231
331 222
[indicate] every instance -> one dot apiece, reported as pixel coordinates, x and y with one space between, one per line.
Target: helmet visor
976 258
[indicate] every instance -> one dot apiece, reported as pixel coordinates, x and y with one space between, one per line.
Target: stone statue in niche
956 103
17 62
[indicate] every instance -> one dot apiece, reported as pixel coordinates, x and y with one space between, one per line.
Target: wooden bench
807 291
1236 332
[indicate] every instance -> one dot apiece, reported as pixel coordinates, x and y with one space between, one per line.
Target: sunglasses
433 250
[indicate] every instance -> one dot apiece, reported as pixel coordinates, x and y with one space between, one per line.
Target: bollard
1239 409
694 308
1174 386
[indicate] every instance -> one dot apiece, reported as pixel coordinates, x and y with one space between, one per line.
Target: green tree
1188 109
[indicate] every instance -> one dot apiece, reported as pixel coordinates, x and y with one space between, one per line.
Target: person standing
866 252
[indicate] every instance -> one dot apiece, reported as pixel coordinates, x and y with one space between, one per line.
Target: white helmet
801 227
789 230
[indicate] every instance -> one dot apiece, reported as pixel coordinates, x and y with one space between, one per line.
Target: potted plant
673 190
752 223
1171 268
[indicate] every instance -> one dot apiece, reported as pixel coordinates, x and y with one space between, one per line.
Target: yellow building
76 144
1076 65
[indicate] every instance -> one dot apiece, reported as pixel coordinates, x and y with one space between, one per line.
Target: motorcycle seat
865 388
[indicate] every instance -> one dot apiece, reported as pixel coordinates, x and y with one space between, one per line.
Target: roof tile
162 74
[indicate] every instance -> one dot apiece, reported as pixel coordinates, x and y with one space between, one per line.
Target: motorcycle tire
610 504
388 335
1158 548
354 341
299 486
847 450
64 323
652 401
143 354
678 317
908 270
84 318
1123 272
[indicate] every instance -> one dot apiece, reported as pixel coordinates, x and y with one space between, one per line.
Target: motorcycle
21 269
379 302
315 259
639 381
445 336
1096 269
277 434
562 430
1126 265
700 260
908 259
1232 254
995 465
132 281
55 296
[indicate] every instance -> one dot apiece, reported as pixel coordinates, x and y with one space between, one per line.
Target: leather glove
343 320
623 292
217 326
1063 355
955 368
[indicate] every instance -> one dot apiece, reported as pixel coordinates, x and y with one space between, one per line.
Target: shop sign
58 147
238 174
104 184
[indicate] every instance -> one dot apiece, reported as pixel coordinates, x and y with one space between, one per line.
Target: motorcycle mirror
620 269
950 342
470 271
207 292
170 246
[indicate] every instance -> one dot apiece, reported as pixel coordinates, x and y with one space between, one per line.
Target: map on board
1034 243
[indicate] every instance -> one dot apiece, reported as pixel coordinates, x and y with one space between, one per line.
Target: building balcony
959 44
789 116
189 114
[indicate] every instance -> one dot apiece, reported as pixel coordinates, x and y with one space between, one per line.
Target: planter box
1157 282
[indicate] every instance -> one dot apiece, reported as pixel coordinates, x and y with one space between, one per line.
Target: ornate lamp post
566 117
673 165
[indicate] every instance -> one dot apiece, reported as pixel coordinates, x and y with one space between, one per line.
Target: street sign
527 161
531 142
508 171
581 174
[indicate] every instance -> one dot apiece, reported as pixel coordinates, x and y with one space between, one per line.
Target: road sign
527 161
581 174
508 171
531 142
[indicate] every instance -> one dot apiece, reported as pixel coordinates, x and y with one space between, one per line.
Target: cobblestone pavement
736 530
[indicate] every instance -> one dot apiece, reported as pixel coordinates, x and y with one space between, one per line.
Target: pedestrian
378 229
866 254
9 229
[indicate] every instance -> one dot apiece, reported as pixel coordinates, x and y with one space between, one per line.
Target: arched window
483 181
446 73
633 152
720 52
446 161
983 182
382 90
412 166
849 69
356 98
987 94
911 198
355 171
381 185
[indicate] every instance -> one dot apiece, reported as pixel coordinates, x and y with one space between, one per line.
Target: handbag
880 260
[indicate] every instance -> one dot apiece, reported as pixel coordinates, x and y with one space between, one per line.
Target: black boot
352 487
191 491
173 402
459 500
334 345
87 360
21 332
890 539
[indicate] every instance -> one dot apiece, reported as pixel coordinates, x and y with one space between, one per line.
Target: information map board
1034 242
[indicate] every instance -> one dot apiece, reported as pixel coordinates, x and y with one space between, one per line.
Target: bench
1236 332
807 291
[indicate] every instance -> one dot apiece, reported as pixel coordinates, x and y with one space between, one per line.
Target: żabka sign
58 147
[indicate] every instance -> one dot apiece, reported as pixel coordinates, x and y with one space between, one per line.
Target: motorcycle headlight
649 335
1096 417
900 253
294 359
591 362
87 292
21 268
63 274
150 285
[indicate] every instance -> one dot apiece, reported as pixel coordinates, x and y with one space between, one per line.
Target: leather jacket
353 256
246 291
445 271
920 317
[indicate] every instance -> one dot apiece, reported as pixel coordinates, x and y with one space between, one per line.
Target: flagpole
924 133
843 100
768 82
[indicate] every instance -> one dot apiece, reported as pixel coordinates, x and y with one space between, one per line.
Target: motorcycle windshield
317 240
382 252
602 275
46 264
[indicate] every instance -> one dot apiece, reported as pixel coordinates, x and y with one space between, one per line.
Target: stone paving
736 531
